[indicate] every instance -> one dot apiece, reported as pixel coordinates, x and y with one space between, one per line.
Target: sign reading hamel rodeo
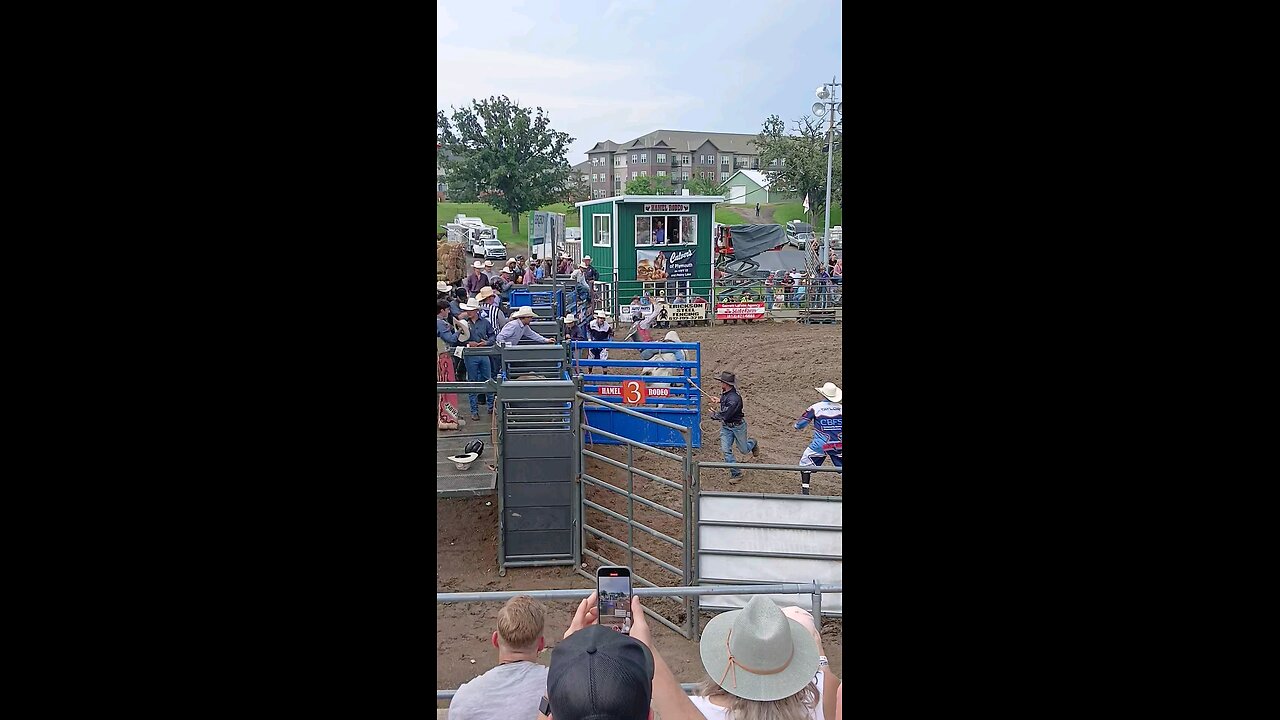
667 207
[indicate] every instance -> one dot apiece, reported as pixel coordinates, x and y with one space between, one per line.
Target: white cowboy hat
758 653
524 312
464 330
602 314
477 264
504 271
463 461
442 286
570 318
485 292
583 264
488 263
831 392
672 337
469 305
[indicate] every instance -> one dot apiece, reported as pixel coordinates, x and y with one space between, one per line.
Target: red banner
740 311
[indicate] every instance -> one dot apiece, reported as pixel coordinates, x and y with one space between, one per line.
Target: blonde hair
796 707
520 622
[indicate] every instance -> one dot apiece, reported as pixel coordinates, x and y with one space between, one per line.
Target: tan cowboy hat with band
442 286
485 293
524 312
758 653
477 264
830 392
469 305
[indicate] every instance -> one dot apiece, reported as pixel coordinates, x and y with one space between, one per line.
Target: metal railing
813 588
684 544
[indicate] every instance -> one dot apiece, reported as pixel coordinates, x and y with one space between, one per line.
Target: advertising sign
631 397
667 207
679 263
740 311
688 312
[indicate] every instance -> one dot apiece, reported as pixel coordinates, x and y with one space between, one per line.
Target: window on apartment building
634 157
724 174
684 175
662 173
644 157
659 230
662 157
600 230
726 159
644 173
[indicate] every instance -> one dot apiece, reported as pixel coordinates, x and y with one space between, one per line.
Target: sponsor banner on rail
617 390
740 311
675 313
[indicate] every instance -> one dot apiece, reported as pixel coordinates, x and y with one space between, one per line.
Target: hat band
734 664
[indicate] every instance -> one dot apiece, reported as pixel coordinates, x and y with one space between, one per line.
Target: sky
608 70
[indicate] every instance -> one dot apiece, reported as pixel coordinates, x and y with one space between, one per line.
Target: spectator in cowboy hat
599 330
503 285
734 427
592 274
566 264
478 367
574 330
512 688
598 673
477 279
513 332
762 661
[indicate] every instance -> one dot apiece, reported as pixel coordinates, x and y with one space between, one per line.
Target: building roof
604 146
581 167
756 177
688 141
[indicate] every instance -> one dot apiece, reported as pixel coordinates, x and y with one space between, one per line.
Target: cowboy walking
828 434
734 428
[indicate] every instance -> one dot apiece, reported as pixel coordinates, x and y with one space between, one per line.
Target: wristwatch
822 661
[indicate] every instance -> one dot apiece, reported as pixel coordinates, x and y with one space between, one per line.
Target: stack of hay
450 262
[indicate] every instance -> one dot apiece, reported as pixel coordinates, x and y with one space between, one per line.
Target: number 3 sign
634 392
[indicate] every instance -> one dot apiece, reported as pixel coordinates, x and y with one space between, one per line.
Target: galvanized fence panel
682 544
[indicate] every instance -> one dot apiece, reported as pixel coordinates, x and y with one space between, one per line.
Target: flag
806 202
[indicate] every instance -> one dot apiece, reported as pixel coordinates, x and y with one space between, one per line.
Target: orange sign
634 392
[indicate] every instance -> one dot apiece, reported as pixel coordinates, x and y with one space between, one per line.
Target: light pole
829 106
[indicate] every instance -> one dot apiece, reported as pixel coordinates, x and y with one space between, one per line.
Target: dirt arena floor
774 363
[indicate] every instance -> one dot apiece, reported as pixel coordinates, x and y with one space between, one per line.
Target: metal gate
626 550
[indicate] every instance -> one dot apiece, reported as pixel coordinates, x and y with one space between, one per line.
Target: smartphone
613 593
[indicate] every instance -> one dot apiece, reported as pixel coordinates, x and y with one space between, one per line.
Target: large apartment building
675 154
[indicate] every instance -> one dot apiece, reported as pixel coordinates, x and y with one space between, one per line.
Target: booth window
660 230
600 230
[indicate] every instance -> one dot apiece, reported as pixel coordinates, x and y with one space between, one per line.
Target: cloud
584 98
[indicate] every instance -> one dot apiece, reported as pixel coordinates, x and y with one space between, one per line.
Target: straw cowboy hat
477 264
442 286
570 319
524 312
463 461
830 392
488 263
758 653
485 292
729 378
672 337
469 305
464 330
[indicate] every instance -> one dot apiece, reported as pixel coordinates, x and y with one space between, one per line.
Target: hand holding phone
613 590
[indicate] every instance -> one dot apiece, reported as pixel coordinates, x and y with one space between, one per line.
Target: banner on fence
688 312
740 311
615 390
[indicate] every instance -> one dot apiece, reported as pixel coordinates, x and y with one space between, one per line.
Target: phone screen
613 588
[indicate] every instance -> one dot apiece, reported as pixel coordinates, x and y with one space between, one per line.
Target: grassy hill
785 212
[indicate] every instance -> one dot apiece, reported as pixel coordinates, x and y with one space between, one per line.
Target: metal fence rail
812 588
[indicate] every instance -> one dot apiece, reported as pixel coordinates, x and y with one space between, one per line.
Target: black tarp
751 240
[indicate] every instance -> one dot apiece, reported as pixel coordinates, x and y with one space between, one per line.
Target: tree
576 189
645 185
514 160
702 186
802 158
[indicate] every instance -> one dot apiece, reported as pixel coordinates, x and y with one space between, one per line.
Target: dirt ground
778 365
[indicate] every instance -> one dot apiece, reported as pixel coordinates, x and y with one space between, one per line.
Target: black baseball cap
600 674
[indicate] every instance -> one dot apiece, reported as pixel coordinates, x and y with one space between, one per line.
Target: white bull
666 356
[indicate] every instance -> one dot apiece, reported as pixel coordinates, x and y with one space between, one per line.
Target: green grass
725 216
445 212
785 212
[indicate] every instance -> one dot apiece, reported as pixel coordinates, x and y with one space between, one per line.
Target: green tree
802 158
576 189
514 159
645 185
702 186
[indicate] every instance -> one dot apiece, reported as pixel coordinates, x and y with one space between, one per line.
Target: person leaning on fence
514 332
828 432
513 688
599 330
598 673
478 367
734 427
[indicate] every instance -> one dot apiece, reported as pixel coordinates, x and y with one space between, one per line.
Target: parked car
801 239
489 249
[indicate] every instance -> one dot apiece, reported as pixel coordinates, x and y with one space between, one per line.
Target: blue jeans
730 435
478 370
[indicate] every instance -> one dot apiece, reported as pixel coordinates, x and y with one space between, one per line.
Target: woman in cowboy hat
763 662
828 432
